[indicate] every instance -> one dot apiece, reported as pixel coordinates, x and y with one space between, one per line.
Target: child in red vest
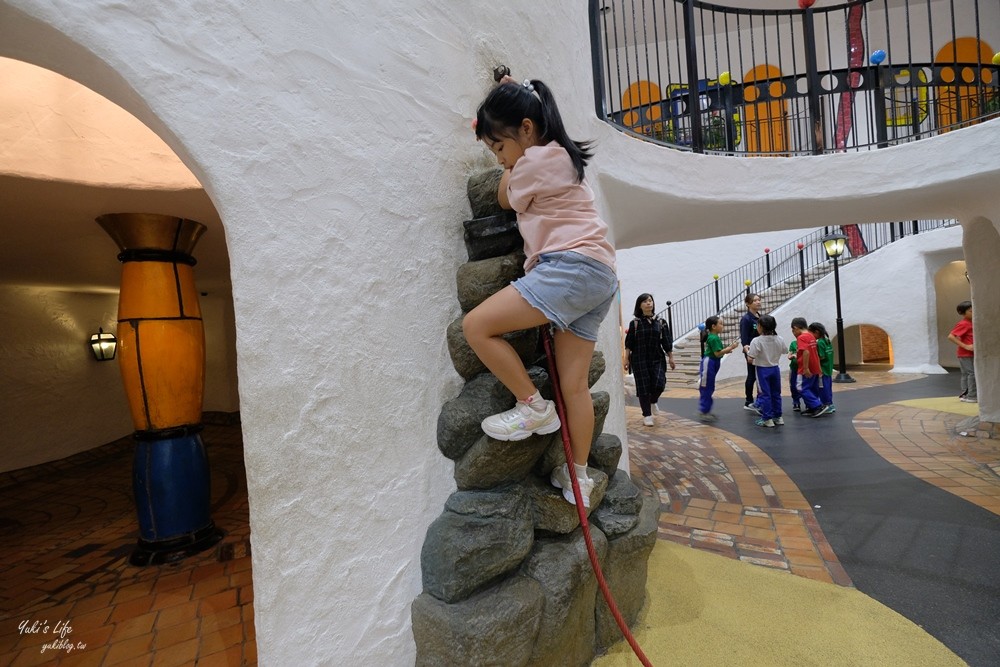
807 361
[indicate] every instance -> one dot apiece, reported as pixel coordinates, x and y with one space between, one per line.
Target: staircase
777 277
687 349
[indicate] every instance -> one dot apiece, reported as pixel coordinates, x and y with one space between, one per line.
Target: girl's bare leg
573 355
502 313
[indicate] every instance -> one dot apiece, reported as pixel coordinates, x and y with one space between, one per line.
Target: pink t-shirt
554 211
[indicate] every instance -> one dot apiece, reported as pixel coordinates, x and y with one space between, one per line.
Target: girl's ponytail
552 129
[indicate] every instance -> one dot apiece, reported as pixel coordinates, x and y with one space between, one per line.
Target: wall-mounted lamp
103 345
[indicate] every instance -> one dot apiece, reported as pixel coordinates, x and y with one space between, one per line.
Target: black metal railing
856 76
792 266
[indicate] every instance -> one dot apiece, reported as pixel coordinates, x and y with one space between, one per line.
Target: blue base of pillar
172 488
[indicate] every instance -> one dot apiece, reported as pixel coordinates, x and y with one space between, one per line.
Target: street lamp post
834 246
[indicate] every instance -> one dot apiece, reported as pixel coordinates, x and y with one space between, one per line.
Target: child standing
712 353
807 361
569 279
793 376
824 348
961 335
765 352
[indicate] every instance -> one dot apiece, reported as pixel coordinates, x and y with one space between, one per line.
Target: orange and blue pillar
161 354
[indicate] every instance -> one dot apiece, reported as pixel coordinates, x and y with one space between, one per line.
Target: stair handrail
778 266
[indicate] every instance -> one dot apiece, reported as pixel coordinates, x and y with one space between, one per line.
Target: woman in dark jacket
650 346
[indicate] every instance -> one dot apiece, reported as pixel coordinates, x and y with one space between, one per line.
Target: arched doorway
69 155
951 286
865 344
961 101
766 121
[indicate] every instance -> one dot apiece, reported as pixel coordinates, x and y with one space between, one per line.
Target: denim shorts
572 290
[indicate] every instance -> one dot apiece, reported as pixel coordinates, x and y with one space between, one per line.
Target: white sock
581 471
535 402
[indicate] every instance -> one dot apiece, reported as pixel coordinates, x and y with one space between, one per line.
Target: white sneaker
560 479
648 421
521 422
656 409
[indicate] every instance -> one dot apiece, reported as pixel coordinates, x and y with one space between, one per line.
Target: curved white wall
334 141
892 289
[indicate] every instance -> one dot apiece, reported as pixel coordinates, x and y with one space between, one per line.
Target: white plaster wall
51 387
893 288
334 140
335 144
57 399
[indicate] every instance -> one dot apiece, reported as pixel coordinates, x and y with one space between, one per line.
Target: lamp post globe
834 244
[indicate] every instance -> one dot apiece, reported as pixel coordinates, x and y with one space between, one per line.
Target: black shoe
820 411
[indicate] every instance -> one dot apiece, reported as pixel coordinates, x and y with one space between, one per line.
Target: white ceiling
68 155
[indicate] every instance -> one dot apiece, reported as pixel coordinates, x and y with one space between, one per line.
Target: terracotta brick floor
69 526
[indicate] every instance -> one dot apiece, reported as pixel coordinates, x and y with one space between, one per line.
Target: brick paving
722 494
68 527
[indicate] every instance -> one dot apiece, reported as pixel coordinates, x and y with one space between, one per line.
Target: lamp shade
103 345
834 244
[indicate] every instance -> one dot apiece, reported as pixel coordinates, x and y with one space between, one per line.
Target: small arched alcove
866 345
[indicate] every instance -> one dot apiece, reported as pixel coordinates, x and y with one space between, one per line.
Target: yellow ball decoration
725 78
715 277
747 282
996 58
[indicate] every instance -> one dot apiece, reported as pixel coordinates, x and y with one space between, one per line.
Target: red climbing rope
580 509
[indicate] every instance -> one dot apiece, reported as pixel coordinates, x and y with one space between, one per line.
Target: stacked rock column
506 575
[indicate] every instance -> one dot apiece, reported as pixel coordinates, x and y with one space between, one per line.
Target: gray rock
623 496
602 403
467 363
613 525
482 191
466 550
605 454
567 631
555 455
479 280
552 513
492 236
597 367
458 426
625 571
496 628
490 463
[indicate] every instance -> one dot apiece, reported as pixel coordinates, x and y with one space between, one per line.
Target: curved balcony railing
860 75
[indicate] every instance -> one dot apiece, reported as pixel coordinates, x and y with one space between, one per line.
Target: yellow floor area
705 609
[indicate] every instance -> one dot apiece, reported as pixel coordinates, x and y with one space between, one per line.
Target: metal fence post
812 77
694 95
802 266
